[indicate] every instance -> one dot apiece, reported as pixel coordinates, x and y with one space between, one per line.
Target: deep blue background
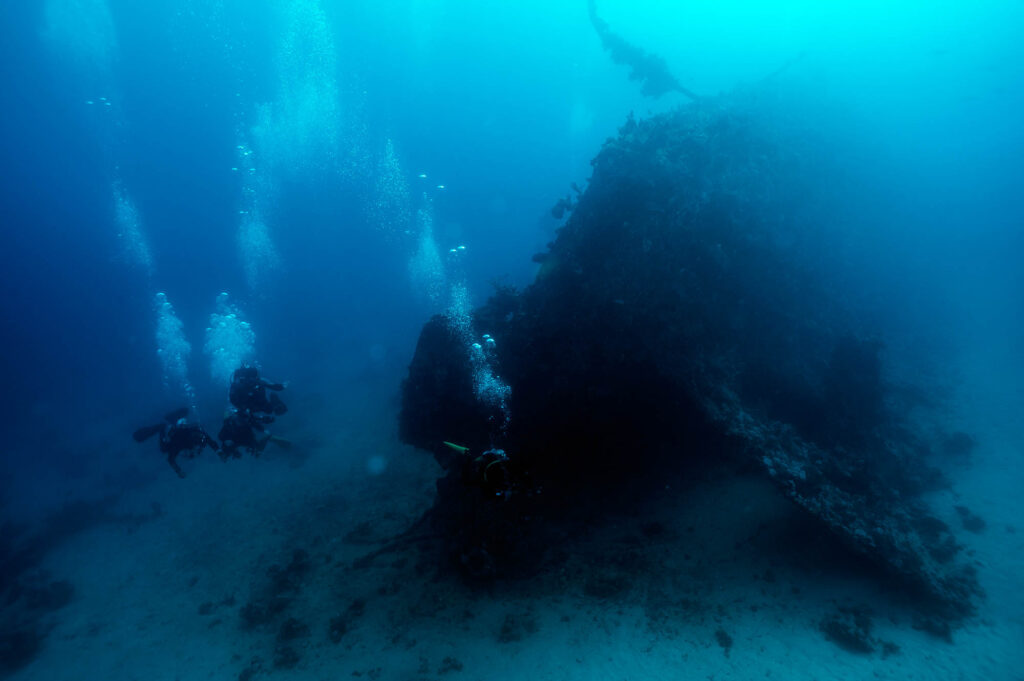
504 103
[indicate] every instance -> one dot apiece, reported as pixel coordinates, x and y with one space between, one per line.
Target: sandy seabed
706 584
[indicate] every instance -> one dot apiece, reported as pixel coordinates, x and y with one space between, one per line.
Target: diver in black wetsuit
178 437
248 394
241 432
251 410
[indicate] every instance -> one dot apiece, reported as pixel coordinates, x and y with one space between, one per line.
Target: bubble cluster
259 256
230 340
458 313
389 208
257 187
488 387
134 247
255 246
295 136
300 129
173 348
426 271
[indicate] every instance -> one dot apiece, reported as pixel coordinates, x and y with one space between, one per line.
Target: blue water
359 116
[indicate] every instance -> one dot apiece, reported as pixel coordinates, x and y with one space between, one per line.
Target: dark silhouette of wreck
684 316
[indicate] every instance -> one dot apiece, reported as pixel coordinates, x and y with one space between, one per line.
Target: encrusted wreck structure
686 312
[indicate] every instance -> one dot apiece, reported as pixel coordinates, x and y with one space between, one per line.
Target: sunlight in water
84 31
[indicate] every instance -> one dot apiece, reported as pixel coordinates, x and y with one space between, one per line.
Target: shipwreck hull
686 312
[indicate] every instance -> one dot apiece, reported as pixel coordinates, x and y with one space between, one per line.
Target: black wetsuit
237 432
188 439
248 394
177 438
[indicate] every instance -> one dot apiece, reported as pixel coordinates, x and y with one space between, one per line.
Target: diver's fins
143 434
175 415
280 442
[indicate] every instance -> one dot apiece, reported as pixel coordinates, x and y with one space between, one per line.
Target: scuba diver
251 409
178 437
488 471
248 394
240 431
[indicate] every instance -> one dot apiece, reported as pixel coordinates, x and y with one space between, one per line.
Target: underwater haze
300 186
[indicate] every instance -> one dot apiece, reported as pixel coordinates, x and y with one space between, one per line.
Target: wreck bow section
692 309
